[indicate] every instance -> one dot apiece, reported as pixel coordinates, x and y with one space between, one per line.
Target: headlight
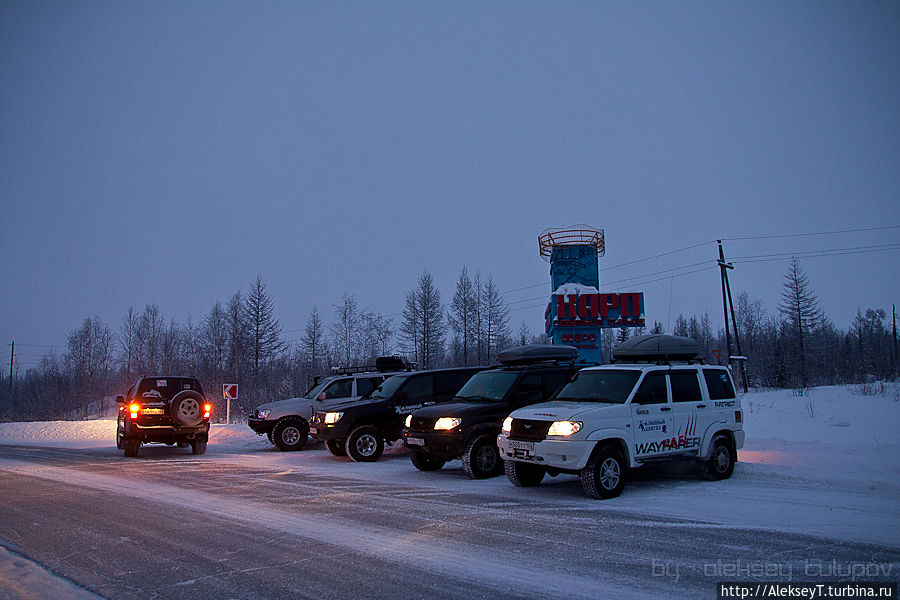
447 423
262 414
507 424
408 422
564 427
333 417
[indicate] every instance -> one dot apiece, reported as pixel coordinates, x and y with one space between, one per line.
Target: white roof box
656 347
537 353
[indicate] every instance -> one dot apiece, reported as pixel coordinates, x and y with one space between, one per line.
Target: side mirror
120 399
320 397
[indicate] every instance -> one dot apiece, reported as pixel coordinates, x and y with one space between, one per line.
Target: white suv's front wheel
604 475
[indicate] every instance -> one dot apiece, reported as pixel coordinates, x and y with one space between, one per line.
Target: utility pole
727 303
894 355
12 353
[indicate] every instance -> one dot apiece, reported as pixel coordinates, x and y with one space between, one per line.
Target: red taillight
737 416
207 408
134 409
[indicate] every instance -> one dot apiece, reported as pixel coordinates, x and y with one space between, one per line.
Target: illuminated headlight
333 417
262 414
447 423
564 427
507 424
408 422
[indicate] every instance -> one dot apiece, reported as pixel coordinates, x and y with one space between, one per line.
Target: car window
420 387
685 386
165 388
529 390
652 389
488 386
342 388
607 385
551 382
364 385
719 384
449 382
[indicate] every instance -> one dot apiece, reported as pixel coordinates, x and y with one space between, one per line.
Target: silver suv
617 417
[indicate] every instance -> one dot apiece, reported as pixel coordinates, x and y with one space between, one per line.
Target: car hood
563 410
286 403
458 409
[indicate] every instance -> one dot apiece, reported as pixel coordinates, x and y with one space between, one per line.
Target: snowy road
250 522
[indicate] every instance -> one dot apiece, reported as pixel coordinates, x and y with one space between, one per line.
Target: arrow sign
230 391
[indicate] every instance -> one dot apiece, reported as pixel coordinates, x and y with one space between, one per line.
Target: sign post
229 393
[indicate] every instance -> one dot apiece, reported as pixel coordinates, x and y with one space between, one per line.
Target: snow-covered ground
827 464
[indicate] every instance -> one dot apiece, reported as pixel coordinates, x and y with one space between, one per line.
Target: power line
789 256
785 235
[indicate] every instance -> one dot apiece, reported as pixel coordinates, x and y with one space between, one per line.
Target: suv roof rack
657 348
382 364
537 353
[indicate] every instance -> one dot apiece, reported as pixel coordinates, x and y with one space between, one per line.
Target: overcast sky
169 152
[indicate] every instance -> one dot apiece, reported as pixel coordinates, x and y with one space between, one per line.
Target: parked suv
286 422
360 429
617 417
467 428
164 409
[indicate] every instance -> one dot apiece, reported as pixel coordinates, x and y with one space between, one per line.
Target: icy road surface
812 499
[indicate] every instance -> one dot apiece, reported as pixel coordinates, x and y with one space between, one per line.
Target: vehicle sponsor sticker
724 404
161 382
652 425
668 445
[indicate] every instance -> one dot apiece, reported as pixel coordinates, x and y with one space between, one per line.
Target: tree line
241 341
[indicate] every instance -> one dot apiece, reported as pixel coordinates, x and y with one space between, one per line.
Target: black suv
468 428
164 409
360 428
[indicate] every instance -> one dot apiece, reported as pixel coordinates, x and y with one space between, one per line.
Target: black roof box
657 347
390 363
537 353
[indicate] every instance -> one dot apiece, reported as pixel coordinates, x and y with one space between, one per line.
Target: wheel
131 447
523 474
290 434
198 447
481 458
604 475
721 462
424 461
271 439
120 440
336 447
365 444
185 408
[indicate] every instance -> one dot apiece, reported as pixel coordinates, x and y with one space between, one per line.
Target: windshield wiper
474 398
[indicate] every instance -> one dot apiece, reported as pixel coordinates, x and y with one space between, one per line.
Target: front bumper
326 432
260 426
447 446
570 455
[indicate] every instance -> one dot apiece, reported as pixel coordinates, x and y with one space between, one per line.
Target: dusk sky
169 152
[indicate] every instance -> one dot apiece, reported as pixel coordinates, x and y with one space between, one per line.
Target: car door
651 416
690 415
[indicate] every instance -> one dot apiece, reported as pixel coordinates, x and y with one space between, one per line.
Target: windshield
317 389
389 387
487 386
600 386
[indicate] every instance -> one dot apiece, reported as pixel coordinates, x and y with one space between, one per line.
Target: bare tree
88 360
423 328
346 329
462 314
264 329
313 349
495 316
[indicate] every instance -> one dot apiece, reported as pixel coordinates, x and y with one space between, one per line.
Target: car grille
528 430
422 424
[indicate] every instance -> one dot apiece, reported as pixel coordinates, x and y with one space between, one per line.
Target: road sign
230 391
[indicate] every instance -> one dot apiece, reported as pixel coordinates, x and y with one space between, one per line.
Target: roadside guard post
229 393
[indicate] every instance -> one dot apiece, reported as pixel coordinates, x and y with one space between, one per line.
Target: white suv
616 417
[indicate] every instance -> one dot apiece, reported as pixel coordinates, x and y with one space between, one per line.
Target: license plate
518 445
153 411
415 441
313 430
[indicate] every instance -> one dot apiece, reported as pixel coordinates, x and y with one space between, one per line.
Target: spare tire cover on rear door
186 408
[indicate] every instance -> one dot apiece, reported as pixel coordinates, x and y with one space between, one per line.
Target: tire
604 475
721 461
365 444
271 439
481 458
522 474
120 440
336 447
290 434
424 461
198 447
186 408
131 447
